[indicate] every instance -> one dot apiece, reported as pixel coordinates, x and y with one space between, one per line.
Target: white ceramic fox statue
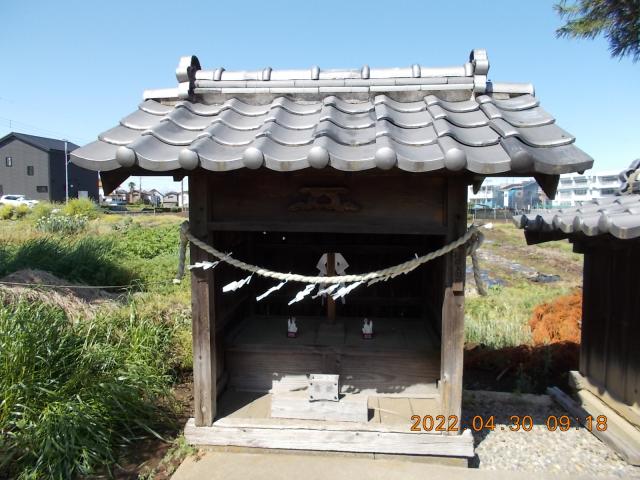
292 328
367 329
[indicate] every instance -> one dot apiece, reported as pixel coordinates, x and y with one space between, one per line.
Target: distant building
35 167
176 199
573 190
576 188
171 199
155 197
489 195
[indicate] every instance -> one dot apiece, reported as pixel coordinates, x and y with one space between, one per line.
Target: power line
11 123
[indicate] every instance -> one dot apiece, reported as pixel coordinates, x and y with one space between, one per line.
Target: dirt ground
558 321
78 301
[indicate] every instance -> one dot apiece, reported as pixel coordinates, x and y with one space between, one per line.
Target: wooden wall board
374 201
390 334
609 353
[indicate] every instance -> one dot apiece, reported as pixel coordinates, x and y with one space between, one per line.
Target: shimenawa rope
473 238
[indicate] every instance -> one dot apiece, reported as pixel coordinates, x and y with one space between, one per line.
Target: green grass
90 260
74 395
501 318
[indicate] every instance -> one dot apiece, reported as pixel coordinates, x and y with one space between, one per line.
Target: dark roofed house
35 167
374 164
607 232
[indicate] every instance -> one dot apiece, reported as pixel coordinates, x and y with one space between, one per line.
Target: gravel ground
576 451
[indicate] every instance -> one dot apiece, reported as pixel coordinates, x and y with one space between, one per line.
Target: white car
17 200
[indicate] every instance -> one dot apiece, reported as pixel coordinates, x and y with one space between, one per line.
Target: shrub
21 211
42 210
150 242
74 394
82 207
65 224
6 212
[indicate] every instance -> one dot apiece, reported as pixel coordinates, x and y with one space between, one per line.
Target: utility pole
182 193
66 173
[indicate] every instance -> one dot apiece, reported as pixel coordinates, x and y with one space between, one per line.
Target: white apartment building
575 188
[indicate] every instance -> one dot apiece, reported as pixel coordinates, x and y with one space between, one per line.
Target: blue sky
74 68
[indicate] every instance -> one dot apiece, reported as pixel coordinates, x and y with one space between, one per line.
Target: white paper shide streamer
233 286
302 293
270 291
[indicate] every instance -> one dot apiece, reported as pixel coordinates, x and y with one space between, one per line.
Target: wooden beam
620 435
202 307
452 347
630 412
396 226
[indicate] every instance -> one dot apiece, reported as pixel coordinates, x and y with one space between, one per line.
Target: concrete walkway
232 465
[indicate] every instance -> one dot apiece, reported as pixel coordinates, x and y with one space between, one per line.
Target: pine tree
617 20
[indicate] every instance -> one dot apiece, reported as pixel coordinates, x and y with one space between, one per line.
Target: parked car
17 200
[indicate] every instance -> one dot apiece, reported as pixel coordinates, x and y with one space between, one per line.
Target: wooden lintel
320 227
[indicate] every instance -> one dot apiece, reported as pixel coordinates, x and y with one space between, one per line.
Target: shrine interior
403 355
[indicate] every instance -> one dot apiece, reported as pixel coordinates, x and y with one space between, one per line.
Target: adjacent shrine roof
417 119
618 216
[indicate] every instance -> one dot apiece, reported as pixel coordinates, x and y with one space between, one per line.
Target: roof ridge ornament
186 75
480 61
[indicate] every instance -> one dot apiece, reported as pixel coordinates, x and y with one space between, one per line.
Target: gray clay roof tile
415 118
616 215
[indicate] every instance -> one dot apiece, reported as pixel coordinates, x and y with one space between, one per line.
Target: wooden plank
296 405
202 308
630 412
616 436
332 440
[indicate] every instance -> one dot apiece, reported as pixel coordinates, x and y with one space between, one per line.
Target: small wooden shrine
607 232
306 171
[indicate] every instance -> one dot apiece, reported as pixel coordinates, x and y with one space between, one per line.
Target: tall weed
501 318
74 394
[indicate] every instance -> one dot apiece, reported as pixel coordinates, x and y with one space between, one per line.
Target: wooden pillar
202 305
452 348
